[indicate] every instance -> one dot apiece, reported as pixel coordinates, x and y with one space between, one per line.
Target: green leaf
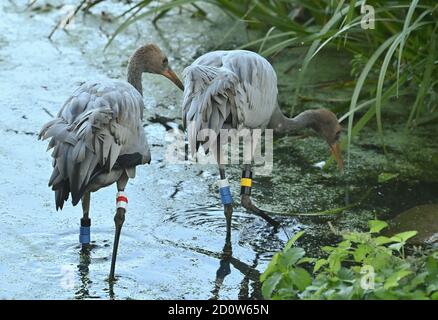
300 278
272 267
306 260
319 263
376 225
357 237
335 259
346 275
292 240
382 240
291 257
432 266
360 253
346 244
270 284
385 177
394 279
327 248
396 246
404 236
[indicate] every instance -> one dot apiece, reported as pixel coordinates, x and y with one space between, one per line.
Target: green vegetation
364 265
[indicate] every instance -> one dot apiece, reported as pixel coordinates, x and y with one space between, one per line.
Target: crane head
151 59
327 125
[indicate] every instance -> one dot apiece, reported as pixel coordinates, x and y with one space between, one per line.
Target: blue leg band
84 231
224 190
226 195
84 235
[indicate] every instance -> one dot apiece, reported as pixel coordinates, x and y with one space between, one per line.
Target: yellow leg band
246 182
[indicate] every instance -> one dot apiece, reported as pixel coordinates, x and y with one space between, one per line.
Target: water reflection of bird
238 90
98 138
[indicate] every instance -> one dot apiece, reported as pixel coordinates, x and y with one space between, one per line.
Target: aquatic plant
364 265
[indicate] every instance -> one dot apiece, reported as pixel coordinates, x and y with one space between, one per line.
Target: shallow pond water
173 238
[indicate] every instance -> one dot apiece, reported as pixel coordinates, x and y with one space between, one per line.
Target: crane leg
227 201
245 194
84 231
225 193
119 218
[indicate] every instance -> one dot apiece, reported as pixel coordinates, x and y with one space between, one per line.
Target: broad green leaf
272 267
394 279
270 284
376 225
291 257
346 275
432 266
346 244
335 259
380 240
361 251
300 278
385 177
404 236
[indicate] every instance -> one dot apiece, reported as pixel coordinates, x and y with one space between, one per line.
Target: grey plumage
236 89
99 124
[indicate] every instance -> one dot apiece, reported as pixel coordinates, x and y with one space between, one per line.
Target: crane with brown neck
237 89
98 139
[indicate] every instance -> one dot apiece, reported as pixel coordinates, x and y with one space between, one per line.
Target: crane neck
282 124
134 75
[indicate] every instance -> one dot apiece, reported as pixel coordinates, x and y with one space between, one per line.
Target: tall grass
398 57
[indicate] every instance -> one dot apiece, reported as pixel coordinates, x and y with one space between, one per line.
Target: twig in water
48 112
61 20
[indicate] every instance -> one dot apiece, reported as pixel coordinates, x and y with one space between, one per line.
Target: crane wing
256 92
97 125
209 101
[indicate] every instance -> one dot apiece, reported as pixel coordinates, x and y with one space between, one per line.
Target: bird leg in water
226 198
227 201
119 218
84 231
245 194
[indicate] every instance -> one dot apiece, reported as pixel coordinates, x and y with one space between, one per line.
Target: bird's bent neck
134 74
282 124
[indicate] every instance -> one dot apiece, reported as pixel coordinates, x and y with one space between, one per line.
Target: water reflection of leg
255 284
83 269
224 268
112 296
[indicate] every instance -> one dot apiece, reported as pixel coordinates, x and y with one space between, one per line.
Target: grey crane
238 89
98 139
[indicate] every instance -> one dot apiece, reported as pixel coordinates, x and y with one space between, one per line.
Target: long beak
169 74
336 151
